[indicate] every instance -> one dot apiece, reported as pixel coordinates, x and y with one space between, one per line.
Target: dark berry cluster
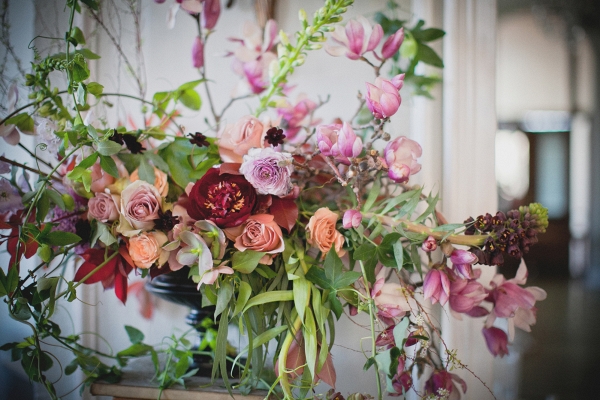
165 221
275 136
510 234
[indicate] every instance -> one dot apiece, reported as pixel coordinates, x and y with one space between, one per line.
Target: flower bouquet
284 223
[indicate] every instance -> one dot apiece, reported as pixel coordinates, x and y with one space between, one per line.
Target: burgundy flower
225 199
443 382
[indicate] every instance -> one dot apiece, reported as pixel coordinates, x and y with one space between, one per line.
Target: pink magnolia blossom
356 39
436 286
496 341
253 57
383 98
391 299
392 44
327 137
514 302
210 13
349 145
198 53
462 261
294 116
401 157
208 9
466 294
352 219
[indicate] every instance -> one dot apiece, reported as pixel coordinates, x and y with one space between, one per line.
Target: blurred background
515 120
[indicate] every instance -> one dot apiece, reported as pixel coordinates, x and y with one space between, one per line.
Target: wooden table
136 384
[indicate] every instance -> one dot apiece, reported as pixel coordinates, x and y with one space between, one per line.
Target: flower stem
36 171
373 337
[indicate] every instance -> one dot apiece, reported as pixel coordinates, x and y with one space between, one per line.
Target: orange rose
237 139
322 233
146 249
261 233
160 181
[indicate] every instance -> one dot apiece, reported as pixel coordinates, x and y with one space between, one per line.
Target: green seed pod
45 253
69 202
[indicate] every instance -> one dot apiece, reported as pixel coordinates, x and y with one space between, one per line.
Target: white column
469 127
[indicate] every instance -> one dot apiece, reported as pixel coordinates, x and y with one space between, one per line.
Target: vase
177 288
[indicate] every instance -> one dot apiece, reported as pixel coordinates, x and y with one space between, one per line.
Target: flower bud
430 244
198 53
349 144
210 13
392 44
352 219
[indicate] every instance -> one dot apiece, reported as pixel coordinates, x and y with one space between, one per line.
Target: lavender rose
268 171
140 203
103 207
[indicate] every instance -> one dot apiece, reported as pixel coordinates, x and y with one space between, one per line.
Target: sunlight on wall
512 164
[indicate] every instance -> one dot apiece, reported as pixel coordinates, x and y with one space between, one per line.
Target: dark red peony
225 199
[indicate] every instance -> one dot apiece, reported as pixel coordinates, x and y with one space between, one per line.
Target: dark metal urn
177 288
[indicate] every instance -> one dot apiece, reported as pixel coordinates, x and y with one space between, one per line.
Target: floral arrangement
283 222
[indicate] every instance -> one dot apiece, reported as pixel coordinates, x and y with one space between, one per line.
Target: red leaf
230 168
143 297
285 212
327 373
121 287
4 225
93 258
296 357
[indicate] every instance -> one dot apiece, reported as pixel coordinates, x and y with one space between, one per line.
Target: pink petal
356 35
375 38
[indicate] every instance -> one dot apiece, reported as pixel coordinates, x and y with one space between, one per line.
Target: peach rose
261 233
237 139
100 179
104 207
140 204
322 233
146 249
160 180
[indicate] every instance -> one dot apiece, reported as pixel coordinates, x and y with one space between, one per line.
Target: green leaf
269 297
23 121
157 161
103 233
77 35
178 154
301 289
182 366
310 341
400 331
3 284
428 35
88 161
108 148
427 55
333 270
12 280
86 179
244 293
398 254
80 71
448 227
224 294
56 198
93 4
60 238
336 305
416 259
45 253
87 54
365 251
189 85
92 132
246 261
191 99
373 194
43 206
109 165
135 335
95 88
146 172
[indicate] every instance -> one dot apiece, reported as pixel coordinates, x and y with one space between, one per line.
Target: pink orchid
513 302
462 261
392 44
209 277
352 219
496 341
383 98
356 39
295 115
401 158
465 294
436 286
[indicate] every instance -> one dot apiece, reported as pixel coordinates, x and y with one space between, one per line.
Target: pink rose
100 179
261 233
146 249
160 180
240 137
140 203
322 233
104 207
